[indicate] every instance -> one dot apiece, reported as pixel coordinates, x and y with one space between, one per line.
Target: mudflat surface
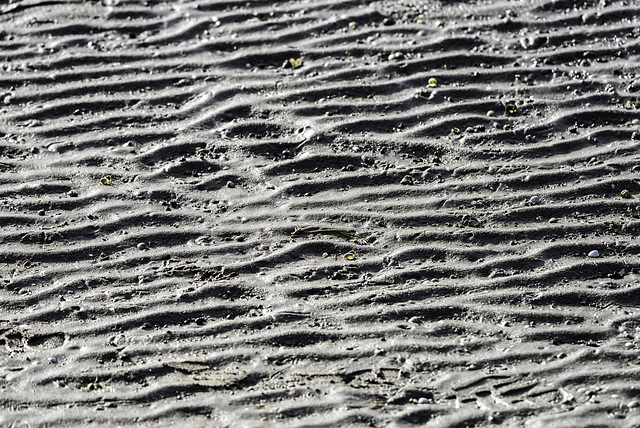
319 213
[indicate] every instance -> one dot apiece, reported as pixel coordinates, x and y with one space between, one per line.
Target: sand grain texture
158 158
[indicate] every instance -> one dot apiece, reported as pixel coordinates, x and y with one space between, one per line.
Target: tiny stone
231 184
72 194
635 122
407 180
491 113
41 212
534 200
141 246
633 404
494 419
594 254
53 360
423 400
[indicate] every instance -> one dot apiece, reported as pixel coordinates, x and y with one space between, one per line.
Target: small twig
316 229
280 371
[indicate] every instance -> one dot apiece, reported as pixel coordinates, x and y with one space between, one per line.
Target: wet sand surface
319 213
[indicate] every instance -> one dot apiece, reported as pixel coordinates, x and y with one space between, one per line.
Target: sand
319 213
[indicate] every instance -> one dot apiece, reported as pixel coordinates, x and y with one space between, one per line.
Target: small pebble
72 194
494 419
594 254
554 220
407 180
423 400
635 122
231 184
141 246
534 200
491 113
633 404
53 360
41 212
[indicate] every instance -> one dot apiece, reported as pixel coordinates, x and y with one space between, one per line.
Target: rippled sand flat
319 213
